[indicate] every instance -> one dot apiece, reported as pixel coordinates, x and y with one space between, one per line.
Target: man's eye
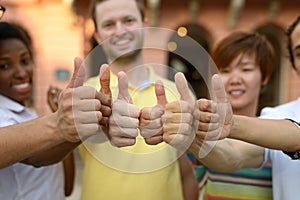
108 25
129 20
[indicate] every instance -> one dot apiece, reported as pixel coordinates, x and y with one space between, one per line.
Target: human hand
216 117
52 97
105 96
78 113
151 117
124 121
180 122
215 120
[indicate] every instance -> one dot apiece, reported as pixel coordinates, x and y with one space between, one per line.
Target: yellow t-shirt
137 172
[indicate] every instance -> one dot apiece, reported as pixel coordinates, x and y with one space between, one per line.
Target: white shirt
25 182
285 171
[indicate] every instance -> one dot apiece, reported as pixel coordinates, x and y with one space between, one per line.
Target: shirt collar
6 102
151 80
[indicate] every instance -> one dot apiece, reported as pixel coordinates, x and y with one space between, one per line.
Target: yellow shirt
137 172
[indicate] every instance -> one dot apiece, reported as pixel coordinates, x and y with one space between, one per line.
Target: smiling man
143 167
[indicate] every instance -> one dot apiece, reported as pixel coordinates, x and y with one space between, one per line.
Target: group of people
143 121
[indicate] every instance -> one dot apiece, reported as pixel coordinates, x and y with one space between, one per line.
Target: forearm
23 140
188 179
273 134
217 155
51 156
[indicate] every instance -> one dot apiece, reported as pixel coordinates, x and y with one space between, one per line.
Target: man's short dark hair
139 3
289 44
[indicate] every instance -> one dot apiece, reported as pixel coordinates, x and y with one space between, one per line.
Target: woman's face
242 80
16 70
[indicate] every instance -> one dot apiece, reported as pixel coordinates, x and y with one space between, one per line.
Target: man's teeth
122 42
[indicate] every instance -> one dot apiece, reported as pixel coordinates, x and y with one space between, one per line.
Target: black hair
10 30
289 43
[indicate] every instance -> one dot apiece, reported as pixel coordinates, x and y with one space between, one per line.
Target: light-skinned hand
124 121
78 113
179 119
151 117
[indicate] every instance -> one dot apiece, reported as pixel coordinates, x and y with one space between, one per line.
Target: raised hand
151 117
216 116
78 113
179 118
105 96
124 121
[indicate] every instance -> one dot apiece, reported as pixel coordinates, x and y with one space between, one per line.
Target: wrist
53 129
236 127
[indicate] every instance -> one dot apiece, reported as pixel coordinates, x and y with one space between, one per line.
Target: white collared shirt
21 181
285 171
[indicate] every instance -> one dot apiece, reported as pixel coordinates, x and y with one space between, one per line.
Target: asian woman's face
243 81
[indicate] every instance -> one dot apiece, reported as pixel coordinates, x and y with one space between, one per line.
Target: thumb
78 74
104 77
182 87
219 89
160 93
123 87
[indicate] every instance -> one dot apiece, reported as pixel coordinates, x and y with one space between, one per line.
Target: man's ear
146 22
97 37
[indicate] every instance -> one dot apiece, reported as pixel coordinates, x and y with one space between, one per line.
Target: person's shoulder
283 110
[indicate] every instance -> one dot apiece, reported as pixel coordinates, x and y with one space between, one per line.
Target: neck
133 66
249 111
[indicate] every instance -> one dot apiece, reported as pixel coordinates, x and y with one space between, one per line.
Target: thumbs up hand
216 117
105 96
124 122
151 117
78 113
180 122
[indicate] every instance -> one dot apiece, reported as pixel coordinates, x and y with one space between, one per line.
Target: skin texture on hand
123 122
215 119
151 117
179 118
84 93
78 113
105 96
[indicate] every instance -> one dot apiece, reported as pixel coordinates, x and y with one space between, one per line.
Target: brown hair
240 42
139 3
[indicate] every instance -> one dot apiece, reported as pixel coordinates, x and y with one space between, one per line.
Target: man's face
116 21
296 46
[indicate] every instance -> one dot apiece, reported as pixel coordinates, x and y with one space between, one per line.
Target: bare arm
188 179
273 134
229 155
69 172
217 122
77 118
21 140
